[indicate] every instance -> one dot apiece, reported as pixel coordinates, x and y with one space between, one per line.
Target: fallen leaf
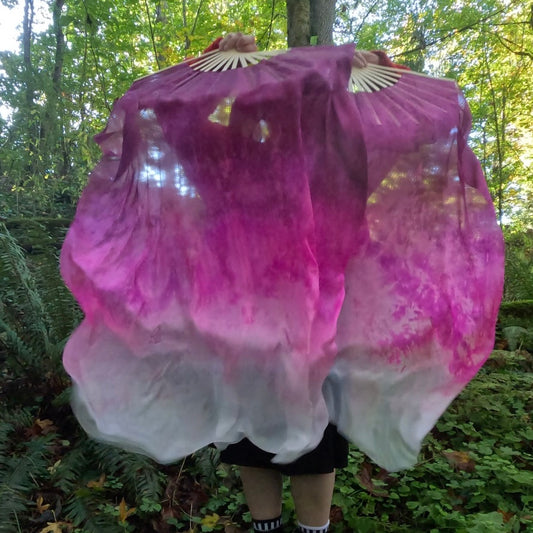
56 527
184 493
460 461
456 501
40 507
52 527
229 525
123 510
45 425
364 478
97 484
336 516
53 469
506 515
40 427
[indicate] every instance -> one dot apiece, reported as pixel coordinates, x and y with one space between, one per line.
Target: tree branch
453 31
152 38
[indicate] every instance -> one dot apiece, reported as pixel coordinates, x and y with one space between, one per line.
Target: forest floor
475 472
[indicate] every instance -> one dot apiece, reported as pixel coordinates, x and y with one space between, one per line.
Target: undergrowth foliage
518 265
475 473
476 469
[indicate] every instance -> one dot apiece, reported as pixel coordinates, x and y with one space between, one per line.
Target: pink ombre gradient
260 251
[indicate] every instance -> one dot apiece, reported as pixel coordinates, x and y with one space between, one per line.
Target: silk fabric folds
260 251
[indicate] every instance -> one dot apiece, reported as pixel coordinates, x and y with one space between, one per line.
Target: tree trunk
57 107
52 143
298 23
27 28
322 20
60 46
28 114
310 22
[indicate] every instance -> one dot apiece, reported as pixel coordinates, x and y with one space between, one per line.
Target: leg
262 489
312 498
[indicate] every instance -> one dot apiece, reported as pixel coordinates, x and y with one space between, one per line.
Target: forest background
57 91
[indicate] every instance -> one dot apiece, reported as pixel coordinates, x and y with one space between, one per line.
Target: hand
238 42
362 58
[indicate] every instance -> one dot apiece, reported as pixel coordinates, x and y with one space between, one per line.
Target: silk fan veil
272 243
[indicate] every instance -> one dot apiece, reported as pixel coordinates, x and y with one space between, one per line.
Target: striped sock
313 529
272 525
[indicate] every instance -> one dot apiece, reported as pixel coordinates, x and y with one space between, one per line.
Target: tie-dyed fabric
261 251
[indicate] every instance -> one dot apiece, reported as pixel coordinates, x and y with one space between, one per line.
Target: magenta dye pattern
260 252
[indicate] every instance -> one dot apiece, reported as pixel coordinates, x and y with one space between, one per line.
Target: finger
246 44
359 60
222 43
371 58
229 41
239 42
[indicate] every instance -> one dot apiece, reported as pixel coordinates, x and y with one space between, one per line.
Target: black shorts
331 453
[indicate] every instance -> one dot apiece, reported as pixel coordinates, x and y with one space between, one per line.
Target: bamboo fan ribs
404 103
368 79
373 78
220 61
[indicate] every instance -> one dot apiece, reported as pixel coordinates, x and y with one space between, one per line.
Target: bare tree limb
152 36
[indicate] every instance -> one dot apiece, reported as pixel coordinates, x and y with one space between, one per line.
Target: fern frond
37 313
115 460
17 418
62 310
5 430
70 470
149 484
84 510
20 294
17 351
205 463
12 505
139 474
20 476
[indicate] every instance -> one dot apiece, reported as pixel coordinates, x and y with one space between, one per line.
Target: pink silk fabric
260 252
